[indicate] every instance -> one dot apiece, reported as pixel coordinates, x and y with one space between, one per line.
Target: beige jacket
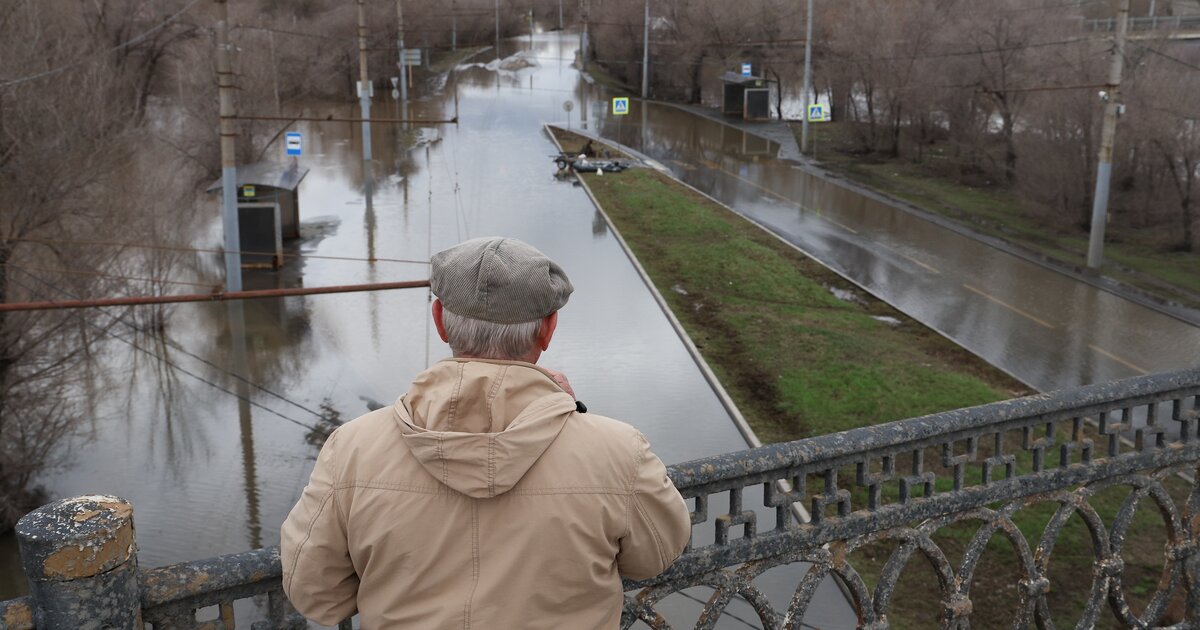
481 499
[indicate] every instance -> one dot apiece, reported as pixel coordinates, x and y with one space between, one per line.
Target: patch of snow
846 295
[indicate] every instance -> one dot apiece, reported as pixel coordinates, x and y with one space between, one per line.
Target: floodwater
1046 329
212 463
211 473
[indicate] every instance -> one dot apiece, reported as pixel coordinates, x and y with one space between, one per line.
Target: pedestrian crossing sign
620 105
818 113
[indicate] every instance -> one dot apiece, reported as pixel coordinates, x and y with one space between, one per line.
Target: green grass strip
797 359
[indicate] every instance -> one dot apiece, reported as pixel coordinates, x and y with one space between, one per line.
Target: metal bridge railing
898 483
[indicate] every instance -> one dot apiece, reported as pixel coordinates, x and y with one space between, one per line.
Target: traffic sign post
411 57
818 113
620 107
294 143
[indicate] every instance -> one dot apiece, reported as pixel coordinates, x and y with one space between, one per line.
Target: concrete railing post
81 560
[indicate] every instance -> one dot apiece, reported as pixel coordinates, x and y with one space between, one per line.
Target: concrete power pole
583 38
229 206
560 20
646 52
807 80
364 83
400 47
1112 109
497 29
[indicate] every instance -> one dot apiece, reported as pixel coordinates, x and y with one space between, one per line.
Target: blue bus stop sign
295 143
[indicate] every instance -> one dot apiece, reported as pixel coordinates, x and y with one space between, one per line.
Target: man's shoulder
598 431
367 428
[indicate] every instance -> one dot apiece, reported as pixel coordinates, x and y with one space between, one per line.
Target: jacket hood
478 426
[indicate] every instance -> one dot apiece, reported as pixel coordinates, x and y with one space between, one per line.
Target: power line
149 300
202 250
101 274
183 370
1164 55
844 60
286 32
93 57
189 353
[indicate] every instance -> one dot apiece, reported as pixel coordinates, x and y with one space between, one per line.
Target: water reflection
1045 328
213 462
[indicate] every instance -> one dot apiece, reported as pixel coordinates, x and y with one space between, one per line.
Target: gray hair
488 340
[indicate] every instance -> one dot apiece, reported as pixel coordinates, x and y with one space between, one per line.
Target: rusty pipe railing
900 483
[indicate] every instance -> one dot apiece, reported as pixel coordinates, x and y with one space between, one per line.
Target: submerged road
1045 328
171 429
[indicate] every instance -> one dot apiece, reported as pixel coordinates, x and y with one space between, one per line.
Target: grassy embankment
1140 258
800 361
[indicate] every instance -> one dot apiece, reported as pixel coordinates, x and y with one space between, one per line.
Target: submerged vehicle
584 164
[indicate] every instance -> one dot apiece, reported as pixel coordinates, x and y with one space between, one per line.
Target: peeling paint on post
81 560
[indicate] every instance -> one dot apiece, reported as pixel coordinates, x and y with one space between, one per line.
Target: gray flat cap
500 280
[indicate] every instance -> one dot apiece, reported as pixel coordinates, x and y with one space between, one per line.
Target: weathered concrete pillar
81 560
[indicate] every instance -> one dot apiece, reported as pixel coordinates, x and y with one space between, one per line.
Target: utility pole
530 26
1112 109
646 53
497 29
453 25
229 207
275 73
400 47
807 79
560 20
364 83
583 39
229 202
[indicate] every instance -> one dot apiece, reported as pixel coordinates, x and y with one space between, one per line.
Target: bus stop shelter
746 96
268 210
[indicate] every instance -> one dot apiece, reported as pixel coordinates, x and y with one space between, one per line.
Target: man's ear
546 331
438 322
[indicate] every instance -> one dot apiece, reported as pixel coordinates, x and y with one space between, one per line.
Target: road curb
739 420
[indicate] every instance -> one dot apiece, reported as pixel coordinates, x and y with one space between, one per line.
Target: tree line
1005 93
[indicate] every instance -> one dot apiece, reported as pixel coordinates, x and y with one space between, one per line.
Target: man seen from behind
486 496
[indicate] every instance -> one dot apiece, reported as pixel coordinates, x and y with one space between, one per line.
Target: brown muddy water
210 474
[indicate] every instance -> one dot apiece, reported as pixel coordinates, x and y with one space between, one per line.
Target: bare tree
1163 115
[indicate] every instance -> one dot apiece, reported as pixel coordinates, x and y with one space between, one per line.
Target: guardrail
899 483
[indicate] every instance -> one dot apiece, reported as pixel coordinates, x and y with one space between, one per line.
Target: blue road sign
818 113
620 105
745 69
295 143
